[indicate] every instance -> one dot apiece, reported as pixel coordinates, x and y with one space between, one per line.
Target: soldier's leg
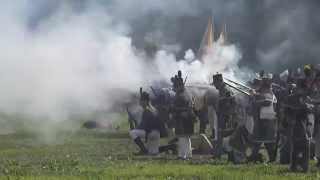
255 155
285 150
153 142
171 133
317 148
219 144
306 155
182 147
212 120
203 126
294 155
227 147
189 147
270 147
293 148
300 156
204 147
137 135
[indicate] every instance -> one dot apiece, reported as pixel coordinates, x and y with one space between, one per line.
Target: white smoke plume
75 64
219 59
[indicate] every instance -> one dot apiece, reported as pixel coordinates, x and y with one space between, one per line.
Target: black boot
143 150
231 157
202 127
213 135
255 158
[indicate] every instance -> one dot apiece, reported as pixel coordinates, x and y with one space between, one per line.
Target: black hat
179 74
217 78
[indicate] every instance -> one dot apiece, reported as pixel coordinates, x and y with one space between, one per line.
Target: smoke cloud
69 58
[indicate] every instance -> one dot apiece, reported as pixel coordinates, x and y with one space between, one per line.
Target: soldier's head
179 74
218 80
261 73
266 81
307 70
144 98
255 83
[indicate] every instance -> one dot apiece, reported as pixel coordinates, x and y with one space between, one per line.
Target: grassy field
91 154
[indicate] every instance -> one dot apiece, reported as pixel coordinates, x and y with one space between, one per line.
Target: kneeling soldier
149 128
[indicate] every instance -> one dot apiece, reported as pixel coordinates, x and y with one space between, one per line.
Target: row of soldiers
284 114
153 125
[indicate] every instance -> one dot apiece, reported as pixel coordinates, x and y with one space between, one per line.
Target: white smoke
66 66
220 58
82 63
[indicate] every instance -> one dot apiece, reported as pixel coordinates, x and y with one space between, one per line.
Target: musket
275 152
239 84
238 89
185 80
278 86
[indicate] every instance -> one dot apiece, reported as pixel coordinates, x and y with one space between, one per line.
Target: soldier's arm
180 109
263 102
226 98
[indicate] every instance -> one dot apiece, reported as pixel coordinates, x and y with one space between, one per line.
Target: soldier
299 134
316 100
182 113
236 144
162 103
149 128
283 118
264 131
225 112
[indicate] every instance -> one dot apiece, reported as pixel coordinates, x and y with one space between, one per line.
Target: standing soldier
283 117
264 131
316 100
299 126
148 129
225 112
182 113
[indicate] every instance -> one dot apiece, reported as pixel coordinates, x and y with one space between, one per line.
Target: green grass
100 155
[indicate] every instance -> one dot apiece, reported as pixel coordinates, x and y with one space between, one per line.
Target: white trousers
153 139
226 144
184 147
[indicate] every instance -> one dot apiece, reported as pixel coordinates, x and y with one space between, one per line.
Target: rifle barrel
238 89
239 84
